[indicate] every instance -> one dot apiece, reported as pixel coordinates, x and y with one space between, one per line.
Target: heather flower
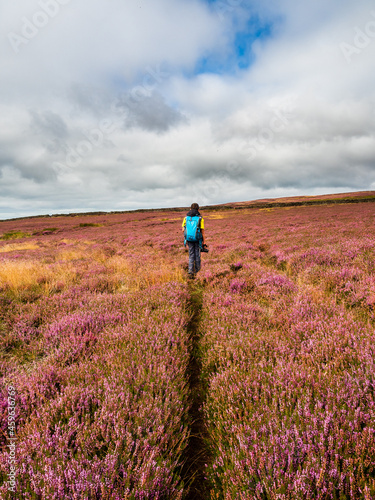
237 285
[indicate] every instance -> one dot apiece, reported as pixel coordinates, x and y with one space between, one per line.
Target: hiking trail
196 453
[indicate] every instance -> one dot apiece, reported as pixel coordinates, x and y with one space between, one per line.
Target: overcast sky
123 104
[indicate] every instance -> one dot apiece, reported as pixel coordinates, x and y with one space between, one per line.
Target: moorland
254 381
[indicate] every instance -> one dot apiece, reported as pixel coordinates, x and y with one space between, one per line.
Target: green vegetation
14 235
89 224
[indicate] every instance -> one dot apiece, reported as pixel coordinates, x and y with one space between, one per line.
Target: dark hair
194 206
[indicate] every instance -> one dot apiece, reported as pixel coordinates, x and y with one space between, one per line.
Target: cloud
50 129
149 112
91 40
151 103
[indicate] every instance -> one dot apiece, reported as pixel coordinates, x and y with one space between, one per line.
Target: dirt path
196 454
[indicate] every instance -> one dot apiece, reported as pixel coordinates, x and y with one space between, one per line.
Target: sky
126 104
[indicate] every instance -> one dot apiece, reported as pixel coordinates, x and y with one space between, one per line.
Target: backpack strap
186 218
199 226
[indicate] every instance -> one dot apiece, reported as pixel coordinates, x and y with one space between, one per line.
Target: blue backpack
192 229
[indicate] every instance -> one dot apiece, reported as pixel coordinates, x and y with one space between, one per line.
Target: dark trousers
194 257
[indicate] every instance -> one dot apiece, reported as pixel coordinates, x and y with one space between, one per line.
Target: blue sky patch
239 55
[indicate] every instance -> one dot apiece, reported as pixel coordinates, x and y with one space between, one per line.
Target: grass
14 235
18 277
113 273
14 247
89 224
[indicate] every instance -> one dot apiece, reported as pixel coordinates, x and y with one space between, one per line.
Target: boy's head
194 206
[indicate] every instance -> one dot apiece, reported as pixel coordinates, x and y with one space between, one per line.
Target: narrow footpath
196 454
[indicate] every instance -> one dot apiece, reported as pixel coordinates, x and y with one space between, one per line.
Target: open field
118 363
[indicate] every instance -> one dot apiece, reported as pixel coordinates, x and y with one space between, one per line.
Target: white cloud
90 39
103 110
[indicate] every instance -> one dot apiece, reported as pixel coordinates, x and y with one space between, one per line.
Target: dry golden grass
118 265
80 251
215 216
130 276
12 247
17 276
267 209
64 268
154 276
69 255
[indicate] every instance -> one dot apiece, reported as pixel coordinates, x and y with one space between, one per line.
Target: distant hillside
356 197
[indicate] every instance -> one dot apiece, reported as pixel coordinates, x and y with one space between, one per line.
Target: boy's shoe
191 276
